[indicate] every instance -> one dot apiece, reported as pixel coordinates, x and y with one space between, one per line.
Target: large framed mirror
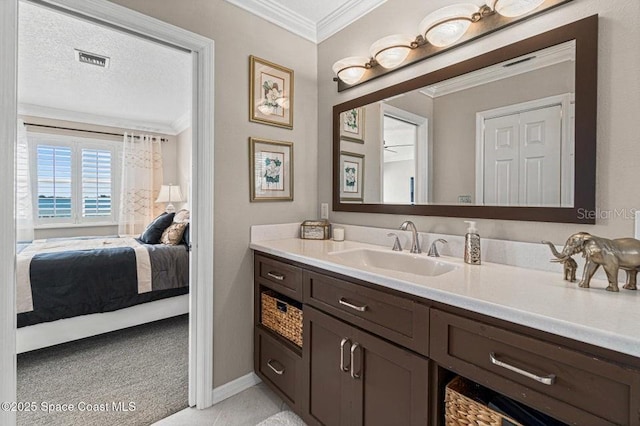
510 134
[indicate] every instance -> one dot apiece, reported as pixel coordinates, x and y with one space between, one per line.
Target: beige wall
183 160
454 124
238 34
619 103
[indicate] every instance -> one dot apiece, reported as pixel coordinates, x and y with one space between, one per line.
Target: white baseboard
234 387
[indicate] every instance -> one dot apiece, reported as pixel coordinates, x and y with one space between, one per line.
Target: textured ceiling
145 81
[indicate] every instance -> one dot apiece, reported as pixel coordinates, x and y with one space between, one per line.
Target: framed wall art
351 176
271 94
352 125
271 166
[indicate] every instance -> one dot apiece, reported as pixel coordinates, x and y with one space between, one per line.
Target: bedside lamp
169 194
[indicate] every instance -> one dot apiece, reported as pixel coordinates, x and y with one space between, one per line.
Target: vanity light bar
439 31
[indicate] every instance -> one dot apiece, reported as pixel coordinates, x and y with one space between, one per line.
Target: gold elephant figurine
612 255
569 265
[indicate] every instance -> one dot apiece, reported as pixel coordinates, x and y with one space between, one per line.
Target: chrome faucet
415 242
396 244
433 250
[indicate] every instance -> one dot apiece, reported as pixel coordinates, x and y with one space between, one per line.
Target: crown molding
98 120
274 12
343 16
284 17
542 59
182 123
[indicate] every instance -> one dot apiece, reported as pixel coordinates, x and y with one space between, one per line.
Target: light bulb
447 25
391 51
514 8
350 70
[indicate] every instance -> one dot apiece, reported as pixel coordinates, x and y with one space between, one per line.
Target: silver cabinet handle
352 306
275 276
547 380
354 374
275 370
343 364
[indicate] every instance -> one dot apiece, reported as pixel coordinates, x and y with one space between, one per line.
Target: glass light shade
514 8
441 28
350 70
391 51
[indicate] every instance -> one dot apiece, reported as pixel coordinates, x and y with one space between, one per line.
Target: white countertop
537 299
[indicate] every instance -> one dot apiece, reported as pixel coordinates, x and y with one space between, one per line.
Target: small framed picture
271 166
352 125
351 176
271 95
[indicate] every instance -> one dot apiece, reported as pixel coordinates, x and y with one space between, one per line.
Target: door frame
564 100
202 199
423 150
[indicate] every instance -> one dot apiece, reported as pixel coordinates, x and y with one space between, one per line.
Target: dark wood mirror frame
585 34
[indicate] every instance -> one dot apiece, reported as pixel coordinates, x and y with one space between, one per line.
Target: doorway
201 296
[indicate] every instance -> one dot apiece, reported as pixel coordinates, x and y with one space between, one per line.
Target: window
74 180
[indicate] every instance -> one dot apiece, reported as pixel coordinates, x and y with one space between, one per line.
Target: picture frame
351 176
271 93
271 170
352 125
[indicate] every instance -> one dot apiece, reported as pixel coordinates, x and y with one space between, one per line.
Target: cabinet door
392 384
329 389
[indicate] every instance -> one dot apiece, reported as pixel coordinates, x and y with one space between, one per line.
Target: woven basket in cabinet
281 315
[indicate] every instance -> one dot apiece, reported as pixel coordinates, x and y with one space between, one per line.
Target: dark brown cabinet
371 356
356 378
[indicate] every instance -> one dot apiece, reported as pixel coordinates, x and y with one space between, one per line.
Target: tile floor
247 408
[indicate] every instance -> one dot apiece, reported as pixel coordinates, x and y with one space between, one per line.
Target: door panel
393 384
541 131
501 153
329 389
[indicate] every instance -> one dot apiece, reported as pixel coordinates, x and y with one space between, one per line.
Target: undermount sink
418 264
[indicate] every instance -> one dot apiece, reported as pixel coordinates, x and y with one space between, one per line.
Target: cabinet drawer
279 366
579 389
282 277
395 318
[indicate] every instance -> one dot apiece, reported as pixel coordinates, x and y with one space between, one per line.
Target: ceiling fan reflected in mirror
388 147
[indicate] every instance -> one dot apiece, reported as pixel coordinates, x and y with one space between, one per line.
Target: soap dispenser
472 244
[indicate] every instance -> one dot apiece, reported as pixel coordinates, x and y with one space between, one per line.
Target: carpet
127 377
283 418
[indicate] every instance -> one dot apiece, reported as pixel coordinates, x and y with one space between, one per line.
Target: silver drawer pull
352 306
275 276
343 364
547 380
275 370
355 374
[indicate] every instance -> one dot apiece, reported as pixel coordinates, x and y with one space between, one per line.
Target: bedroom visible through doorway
104 196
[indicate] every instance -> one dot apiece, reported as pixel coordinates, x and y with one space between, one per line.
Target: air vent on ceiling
519 61
92 58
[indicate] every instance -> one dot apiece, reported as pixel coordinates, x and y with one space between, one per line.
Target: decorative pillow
154 231
185 236
173 234
182 216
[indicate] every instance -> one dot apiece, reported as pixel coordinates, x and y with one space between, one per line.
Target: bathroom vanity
380 345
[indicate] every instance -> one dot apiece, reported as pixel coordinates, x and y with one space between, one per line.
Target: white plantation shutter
54 169
96 183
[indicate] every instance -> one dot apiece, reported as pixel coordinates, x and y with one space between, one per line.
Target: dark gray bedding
79 282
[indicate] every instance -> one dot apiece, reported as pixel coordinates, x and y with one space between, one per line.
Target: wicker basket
282 315
462 410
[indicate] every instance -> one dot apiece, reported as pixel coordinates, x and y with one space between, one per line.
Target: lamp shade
514 8
391 51
169 194
447 25
350 70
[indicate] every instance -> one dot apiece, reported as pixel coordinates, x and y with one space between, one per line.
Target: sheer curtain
24 196
140 184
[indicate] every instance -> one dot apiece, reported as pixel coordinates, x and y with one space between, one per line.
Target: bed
73 288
